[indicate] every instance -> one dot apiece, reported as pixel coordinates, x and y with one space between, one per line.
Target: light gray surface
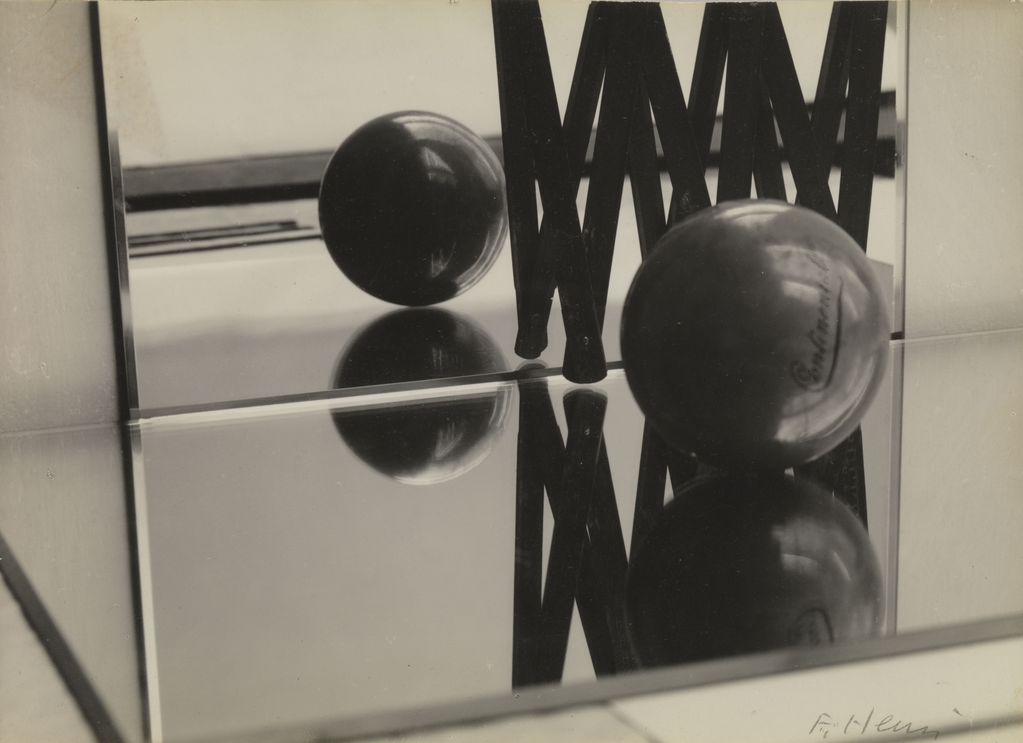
960 550
964 167
62 494
57 363
948 691
35 706
63 502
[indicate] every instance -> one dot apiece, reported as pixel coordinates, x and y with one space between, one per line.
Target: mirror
371 558
226 116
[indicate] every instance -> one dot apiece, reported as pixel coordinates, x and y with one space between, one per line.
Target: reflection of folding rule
588 565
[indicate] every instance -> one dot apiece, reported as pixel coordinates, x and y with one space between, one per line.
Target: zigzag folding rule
625 63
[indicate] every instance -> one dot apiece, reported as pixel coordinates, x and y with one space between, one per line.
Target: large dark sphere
755 335
412 208
440 436
741 564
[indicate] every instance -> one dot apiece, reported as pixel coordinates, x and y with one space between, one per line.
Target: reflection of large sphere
437 437
412 208
736 565
755 335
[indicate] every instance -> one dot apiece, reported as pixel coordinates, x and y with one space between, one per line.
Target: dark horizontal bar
173 247
297 176
213 233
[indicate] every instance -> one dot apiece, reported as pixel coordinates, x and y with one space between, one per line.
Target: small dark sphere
434 439
412 208
755 335
745 564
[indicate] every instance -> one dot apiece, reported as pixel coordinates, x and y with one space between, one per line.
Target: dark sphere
755 335
438 437
412 208
740 565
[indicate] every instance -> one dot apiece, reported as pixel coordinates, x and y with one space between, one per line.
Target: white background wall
225 79
962 472
56 342
63 515
62 492
964 236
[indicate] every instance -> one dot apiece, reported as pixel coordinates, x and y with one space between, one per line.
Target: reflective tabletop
428 552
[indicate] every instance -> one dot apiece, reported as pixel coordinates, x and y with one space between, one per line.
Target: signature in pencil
873 722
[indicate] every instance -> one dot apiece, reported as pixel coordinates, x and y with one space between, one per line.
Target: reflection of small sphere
412 208
437 437
755 335
737 565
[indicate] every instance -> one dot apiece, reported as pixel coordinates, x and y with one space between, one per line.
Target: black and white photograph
511 370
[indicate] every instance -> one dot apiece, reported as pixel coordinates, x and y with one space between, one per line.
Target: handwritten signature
826 724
